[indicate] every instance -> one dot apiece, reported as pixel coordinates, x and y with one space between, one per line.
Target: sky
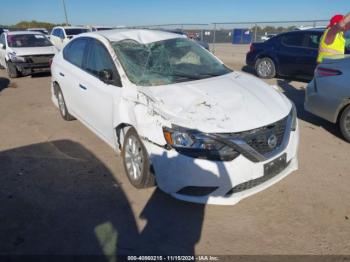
150 12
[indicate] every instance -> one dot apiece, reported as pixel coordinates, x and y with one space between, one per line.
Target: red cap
335 20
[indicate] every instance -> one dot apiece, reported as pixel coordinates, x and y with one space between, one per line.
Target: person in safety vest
333 39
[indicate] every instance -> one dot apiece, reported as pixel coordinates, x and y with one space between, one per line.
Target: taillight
325 72
251 48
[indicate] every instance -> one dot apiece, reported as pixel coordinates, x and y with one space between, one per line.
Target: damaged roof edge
143 36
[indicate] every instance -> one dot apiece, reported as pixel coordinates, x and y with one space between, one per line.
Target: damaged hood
25 51
231 103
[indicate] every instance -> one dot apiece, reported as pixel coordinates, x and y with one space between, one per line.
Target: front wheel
136 161
344 123
265 68
12 70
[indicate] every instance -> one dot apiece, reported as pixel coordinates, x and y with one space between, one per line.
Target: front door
97 98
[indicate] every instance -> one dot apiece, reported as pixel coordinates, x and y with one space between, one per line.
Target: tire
62 106
12 70
136 161
265 68
344 123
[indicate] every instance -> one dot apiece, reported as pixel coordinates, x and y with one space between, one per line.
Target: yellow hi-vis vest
336 48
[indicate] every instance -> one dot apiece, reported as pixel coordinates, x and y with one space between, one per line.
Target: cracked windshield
167 62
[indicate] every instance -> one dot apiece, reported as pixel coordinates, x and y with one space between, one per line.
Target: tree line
31 24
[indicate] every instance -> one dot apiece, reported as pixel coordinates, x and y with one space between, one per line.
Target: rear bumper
321 104
250 59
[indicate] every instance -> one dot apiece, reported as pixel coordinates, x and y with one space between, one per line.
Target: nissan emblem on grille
272 141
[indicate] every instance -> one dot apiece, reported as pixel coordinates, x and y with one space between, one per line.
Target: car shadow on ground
39 75
4 83
176 224
249 70
58 198
298 97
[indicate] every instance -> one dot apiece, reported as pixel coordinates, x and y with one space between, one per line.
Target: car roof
143 36
37 28
313 30
22 33
70 27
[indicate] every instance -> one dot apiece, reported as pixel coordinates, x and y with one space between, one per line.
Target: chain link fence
237 32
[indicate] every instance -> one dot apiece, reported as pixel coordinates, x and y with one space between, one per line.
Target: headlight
294 117
198 145
14 58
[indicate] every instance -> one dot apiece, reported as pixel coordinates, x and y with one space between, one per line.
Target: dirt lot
64 191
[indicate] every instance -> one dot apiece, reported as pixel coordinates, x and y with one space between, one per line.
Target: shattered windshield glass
167 62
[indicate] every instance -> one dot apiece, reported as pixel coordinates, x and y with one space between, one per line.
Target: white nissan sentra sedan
180 118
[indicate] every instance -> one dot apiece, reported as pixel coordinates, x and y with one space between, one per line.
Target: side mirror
107 77
2 46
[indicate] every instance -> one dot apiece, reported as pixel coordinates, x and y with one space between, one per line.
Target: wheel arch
341 109
120 132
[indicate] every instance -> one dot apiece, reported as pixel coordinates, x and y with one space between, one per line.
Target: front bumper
175 172
29 68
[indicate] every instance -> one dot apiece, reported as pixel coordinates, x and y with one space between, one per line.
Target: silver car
328 94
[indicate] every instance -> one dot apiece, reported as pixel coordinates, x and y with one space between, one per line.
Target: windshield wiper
194 77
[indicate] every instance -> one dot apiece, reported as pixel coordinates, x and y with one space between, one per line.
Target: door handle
61 74
82 87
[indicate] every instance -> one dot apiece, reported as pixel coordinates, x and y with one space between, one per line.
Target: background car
328 94
24 53
291 54
287 54
61 35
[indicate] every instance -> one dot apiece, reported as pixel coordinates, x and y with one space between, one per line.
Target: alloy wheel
265 68
61 104
133 158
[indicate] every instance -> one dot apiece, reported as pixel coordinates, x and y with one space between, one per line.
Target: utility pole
65 11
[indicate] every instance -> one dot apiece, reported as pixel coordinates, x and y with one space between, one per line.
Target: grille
258 138
39 59
255 182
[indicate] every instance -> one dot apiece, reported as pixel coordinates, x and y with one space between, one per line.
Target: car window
55 32
2 39
313 40
28 40
98 59
295 40
60 33
74 51
75 31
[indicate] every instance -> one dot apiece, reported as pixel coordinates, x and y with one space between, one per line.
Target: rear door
311 44
69 72
290 53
